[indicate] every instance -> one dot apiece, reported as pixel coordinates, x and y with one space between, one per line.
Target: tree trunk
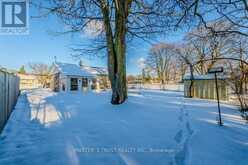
117 50
119 87
191 89
117 72
118 78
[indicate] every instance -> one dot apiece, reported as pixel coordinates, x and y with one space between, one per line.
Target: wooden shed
204 87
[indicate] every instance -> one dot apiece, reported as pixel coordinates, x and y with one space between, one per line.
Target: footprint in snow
179 136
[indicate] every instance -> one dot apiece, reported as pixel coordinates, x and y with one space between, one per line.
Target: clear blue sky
41 47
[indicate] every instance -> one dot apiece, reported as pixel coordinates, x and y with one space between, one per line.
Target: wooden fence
169 87
9 91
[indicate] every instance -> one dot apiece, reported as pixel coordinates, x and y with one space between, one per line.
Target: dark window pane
74 84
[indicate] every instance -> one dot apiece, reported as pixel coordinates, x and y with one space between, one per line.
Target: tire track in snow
182 137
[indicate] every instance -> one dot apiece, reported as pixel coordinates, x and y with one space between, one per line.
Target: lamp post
215 71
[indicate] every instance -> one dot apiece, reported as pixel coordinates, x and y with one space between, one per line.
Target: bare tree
160 59
42 71
207 47
229 50
120 22
205 12
184 54
239 70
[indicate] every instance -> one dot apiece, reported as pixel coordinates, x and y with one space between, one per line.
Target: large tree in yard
116 22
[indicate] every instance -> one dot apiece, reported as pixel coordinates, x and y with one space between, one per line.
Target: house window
74 84
84 82
63 87
94 84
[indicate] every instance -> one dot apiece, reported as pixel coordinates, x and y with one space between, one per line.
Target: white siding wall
67 81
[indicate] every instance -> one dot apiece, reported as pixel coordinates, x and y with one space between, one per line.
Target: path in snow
183 136
151 128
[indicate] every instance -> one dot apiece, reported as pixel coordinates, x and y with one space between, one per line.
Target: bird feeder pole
215 71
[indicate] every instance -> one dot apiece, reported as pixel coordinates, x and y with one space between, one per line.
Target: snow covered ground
151 128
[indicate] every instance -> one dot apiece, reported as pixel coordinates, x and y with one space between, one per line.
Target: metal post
218 100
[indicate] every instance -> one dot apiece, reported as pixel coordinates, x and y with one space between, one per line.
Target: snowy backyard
151 128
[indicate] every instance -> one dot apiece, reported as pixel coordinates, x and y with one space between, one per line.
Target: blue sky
41 47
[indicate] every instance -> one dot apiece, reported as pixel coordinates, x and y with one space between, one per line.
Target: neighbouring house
204 87
72 77
32 81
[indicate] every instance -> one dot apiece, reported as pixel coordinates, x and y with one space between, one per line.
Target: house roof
95 70
72 70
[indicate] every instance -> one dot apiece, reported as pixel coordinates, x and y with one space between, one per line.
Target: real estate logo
14 17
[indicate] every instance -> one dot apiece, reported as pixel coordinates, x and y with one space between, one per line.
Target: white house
101 74
71 77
